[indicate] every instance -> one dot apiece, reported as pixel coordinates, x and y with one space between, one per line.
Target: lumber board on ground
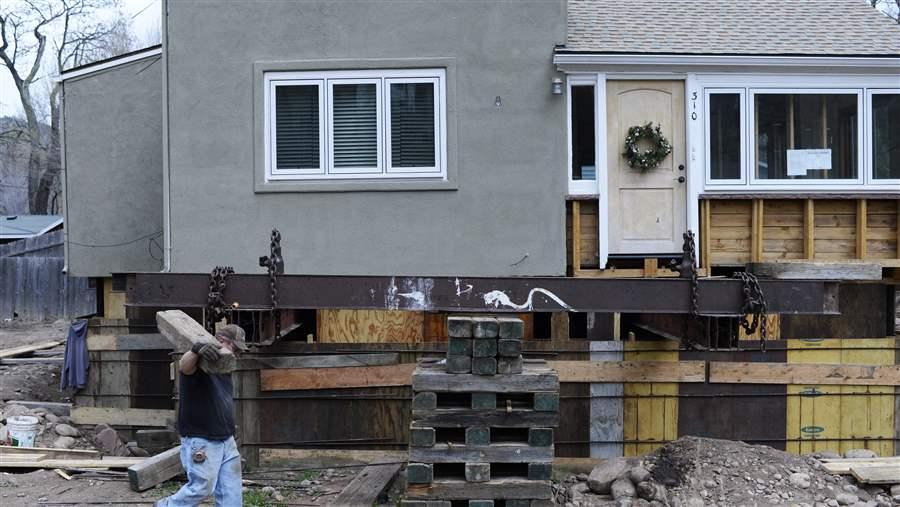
15 361
68 463
319 361
356 455
366 487
59 409
333 378
630 371
149 341
155 469
122 416
843 466
796 373
9 451
27 349
882 474
507 488
817 270
183 332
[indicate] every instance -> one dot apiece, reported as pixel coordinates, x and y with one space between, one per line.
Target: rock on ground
603 475
64 443
65 430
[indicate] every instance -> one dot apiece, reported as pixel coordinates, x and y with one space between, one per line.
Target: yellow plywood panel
370 326
650 419
860 412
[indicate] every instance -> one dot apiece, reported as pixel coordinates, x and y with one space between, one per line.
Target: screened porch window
886 136
583 140
806 136
724 134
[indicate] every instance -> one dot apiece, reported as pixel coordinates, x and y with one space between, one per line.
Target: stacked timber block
482 422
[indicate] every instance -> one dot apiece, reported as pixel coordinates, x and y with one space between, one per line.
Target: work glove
208 351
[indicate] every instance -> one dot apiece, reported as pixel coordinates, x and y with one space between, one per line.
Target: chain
687 268
755 305
274 265
215 300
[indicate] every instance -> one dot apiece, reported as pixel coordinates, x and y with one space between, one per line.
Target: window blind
297 127
412 125
355 125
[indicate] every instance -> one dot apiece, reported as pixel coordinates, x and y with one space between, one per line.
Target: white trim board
574 62
109 64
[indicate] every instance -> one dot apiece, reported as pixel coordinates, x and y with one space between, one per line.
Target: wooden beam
630 371
801 374
183 332
155 470
9 451
651 266
31 360
861 228
885 474
367 486
576 236
816 270
319 361
507 487
149 341
559 327
705 228
59 409
756 230
842 466
27 349
809 230
335 378
13 461
368 457
122 416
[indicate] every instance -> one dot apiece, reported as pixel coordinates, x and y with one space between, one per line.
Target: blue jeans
219 475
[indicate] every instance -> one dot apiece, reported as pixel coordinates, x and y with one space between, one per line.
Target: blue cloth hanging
77 361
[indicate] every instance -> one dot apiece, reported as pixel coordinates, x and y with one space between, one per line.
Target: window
725 113
806 136
583 139
885 134
355 124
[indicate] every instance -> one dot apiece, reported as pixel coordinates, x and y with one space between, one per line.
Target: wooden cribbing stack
482 422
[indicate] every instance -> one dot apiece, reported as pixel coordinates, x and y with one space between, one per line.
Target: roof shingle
732 27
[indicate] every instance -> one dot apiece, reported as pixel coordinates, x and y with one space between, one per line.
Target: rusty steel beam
718 296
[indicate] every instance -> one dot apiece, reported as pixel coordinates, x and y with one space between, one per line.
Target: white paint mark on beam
460 291
497 298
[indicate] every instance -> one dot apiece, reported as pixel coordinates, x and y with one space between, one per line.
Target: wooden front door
647 212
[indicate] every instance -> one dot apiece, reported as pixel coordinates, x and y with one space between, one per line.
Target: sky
145 20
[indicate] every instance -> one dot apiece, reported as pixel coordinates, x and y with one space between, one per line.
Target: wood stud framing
861 228
809 230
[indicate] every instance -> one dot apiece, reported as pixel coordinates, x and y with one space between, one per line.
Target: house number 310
693 105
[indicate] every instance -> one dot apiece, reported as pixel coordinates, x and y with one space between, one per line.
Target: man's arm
191 359
188 363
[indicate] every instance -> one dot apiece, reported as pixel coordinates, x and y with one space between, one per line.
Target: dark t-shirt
205 406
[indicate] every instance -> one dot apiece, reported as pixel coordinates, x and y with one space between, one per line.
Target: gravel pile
698 472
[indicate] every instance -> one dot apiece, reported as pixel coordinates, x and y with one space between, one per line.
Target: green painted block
459 327
511 327
425 503
540 437
546 402
509 365
484 401
484 348
518 503
419 473
424 401
459 364
485 327
478 472
478 436
509 347
459 347
540 471
421 437
483 503
484 366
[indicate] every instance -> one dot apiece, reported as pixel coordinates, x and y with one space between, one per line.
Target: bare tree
73 33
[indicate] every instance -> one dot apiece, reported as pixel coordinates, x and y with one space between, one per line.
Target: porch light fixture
556 86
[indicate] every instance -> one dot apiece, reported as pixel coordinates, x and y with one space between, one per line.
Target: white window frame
438 121
751 134
741 92
272 171
588 187
870 137
325 80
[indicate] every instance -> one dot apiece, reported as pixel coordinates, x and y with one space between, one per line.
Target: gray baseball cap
234 334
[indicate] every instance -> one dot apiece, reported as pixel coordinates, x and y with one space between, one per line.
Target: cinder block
478 472
482 503
459 346
421 437
425 503
509 347
424 401
484 366
540 437
484 401
484 348
509 365
511 327
459 364
478 436
546 402
540 471
518 503
485 327
459 327
419 473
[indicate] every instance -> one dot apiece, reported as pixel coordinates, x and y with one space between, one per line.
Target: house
484 140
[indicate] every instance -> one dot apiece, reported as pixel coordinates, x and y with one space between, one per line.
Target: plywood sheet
651 419
372 326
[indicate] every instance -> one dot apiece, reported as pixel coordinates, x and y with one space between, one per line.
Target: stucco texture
113 169
505 205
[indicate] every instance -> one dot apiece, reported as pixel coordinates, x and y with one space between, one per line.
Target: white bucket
22 430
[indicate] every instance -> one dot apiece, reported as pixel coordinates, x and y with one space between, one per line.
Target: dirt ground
35 382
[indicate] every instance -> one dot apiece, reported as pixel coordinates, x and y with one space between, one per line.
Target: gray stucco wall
507 201
113 173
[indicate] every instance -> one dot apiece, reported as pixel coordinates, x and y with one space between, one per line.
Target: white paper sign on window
801 161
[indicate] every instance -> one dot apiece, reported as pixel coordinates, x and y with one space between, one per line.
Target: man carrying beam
209 454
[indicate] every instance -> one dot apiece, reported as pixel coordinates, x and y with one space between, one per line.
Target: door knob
681 179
